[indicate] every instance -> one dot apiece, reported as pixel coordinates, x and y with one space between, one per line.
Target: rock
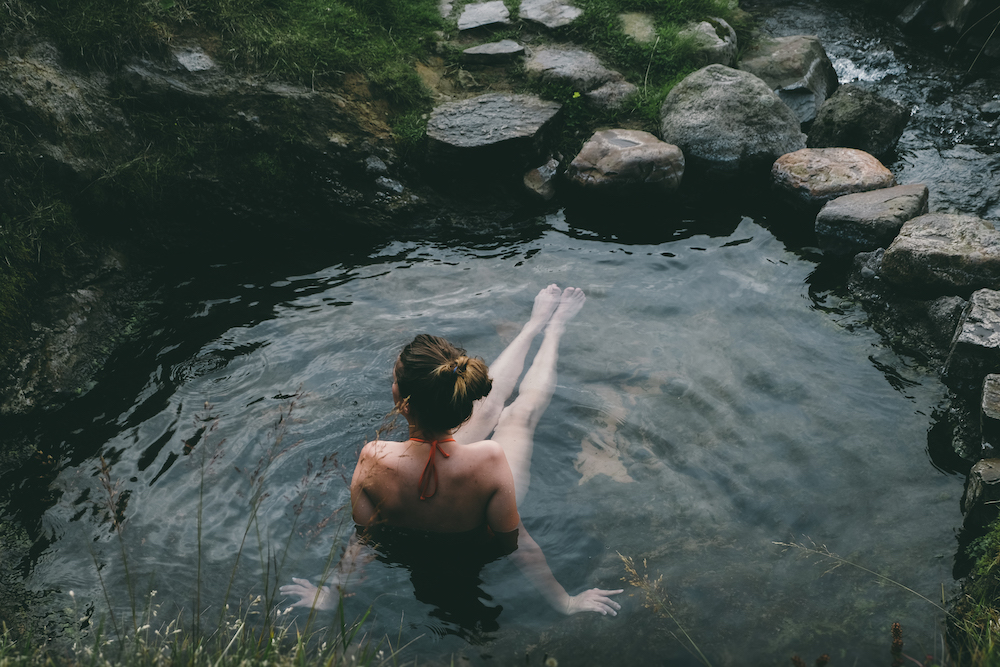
957 12
944 253
858 118
64 113
481 14
914 13
989 416
500 127
715 41
541 181
495 52
611 96
813 176
639 26
576 67
797 69
727 121
981 495
990 110
550 13
868 220
975 349
626 161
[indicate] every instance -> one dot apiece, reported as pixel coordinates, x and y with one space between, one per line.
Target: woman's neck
417 433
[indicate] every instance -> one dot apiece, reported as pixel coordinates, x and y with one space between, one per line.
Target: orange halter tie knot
430 470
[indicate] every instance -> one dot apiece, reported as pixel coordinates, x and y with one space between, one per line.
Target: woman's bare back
474 487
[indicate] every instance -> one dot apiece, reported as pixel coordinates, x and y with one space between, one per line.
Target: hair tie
456 370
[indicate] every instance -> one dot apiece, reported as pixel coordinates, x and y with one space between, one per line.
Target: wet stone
858 118
495 52
975 350
481 14
868 220
989 416
946 253
575 67
549 13
814 176
981 499
797 69
625 161
541 181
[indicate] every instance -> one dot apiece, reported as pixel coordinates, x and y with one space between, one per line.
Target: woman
447 478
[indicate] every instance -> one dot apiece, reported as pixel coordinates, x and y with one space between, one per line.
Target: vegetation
975 627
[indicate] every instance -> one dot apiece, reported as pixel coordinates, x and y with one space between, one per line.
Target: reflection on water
705 409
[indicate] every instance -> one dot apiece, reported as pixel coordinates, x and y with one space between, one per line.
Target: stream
716 396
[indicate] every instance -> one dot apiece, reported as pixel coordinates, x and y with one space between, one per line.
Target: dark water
714 397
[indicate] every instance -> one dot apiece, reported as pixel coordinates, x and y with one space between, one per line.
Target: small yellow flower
576 95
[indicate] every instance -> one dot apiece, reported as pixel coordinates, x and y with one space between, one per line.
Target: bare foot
545 304
570 303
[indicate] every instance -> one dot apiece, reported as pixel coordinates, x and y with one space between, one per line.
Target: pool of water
710 402
717 394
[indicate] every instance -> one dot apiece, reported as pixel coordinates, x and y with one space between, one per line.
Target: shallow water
713 399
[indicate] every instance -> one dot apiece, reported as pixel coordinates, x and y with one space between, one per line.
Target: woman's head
439 382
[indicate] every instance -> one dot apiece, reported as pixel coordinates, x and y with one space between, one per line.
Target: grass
975 627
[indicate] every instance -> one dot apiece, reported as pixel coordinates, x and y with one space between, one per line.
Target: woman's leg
507 369
516 428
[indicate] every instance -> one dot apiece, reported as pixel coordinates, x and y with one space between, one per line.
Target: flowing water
715 396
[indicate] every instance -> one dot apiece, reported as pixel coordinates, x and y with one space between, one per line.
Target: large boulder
797 69
858 118
495 131
728 122
944 253
814 176
714 40
626 161
868 220
576 67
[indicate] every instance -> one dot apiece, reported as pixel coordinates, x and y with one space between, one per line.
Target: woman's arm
531 560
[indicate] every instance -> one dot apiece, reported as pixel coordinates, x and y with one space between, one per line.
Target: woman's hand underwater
310 596
595 599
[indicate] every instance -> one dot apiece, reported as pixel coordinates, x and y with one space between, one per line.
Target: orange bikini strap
430 470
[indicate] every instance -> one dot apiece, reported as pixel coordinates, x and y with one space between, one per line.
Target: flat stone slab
638 26
481 14
797 69
495 52
715 40
945 253
550 13
489 120
728 122
579 68
868 220
814 176
627 160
